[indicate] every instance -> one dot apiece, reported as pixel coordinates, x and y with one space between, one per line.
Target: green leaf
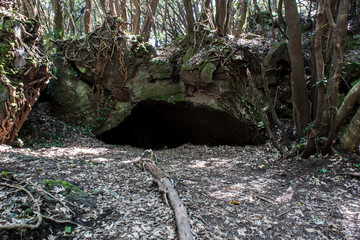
68 229
357 165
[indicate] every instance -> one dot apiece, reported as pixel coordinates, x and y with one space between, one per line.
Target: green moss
207 71
160 70
81 69
353 43
355 82
161 92
71 190
117 115
177 98
189 53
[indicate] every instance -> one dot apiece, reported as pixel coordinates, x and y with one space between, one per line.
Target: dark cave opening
154 124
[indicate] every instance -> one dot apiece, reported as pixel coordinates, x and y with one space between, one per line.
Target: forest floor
230 192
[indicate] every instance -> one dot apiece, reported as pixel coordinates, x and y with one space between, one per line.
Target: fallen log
145 162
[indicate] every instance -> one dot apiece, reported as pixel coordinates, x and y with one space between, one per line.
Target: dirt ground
230 192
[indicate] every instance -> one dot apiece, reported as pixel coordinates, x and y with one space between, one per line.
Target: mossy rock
160 70
72 192
207 71
277 53
188 55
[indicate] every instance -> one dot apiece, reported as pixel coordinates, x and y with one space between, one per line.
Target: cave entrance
154 124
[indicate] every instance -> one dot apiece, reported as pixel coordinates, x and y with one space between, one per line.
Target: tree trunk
272 19
111 7
72 27
148 21
261 18
58 20
347 105
350 140
339 31
204 19
318 82
220 17
87 16
279 13
136 18
243 11
189 16
30 9
123 14
298 85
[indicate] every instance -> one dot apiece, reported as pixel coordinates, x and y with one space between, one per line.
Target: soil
230 192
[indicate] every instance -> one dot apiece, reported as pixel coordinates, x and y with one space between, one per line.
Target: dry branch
181 217
24 226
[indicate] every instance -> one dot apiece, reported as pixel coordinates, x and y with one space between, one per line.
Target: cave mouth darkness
156 125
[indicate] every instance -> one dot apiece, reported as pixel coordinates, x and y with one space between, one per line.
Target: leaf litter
230 192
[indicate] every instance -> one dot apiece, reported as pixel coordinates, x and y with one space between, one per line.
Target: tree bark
87 16
272 19
339 31
261 18
220 17
298 84
318 82
243 11
58 20
167 189
123 14
350 140
204 19
148 21
30 9
347 105
189 16
111 7
136 18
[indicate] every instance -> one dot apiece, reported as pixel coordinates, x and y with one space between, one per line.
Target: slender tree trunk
137 15
148 21
164 24
279 13
339 31
319 81
272 19
111 7
261 18
117 8
243 11
298 84
123 14
87 16
227 17
220 17
30 9
189 16
58 20
204 12
72 25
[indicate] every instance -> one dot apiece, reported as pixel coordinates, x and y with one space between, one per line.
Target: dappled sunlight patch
286 196
199 164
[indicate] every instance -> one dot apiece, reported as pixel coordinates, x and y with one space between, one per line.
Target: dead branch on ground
165 186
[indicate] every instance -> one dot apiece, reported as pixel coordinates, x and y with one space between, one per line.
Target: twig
264 199
350 174
25 226
283 213
60 221
50 195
